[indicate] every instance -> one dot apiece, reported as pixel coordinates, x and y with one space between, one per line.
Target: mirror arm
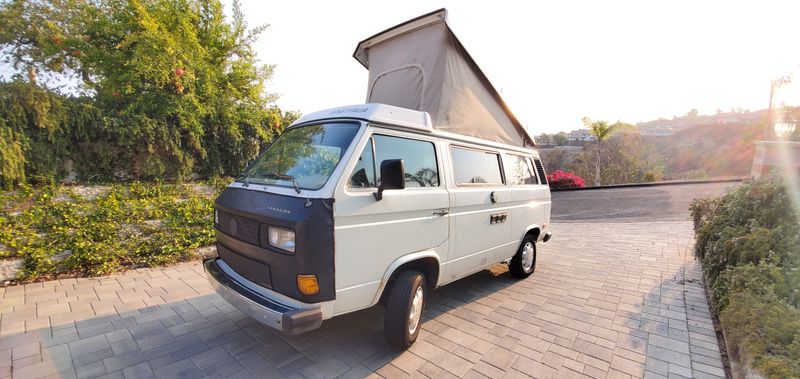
378 195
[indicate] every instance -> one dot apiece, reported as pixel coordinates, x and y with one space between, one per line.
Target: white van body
376 203
445 228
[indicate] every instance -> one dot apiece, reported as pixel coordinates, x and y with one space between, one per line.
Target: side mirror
393 176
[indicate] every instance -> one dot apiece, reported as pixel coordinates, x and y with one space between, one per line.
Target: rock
206 252
61 256
9 269
89 192
155 224
203 189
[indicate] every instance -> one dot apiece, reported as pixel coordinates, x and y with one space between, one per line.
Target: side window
473 166
364 172
419 158
520 171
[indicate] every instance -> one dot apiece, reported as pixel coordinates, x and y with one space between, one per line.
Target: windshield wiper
272 175
244 181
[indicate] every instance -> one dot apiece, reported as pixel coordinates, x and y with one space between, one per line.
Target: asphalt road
632 204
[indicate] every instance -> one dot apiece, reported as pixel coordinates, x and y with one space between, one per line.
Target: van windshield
302 157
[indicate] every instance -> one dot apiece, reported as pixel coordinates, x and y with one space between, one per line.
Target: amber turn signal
307 284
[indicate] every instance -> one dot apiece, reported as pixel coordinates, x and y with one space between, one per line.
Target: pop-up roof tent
421 65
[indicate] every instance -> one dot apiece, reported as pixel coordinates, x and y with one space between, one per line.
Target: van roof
400 118
387 114
421 64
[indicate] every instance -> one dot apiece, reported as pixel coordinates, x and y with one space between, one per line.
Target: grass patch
749 244
86 231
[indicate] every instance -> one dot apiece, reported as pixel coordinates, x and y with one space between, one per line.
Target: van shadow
202 335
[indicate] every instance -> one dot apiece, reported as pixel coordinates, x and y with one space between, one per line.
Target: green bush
753 222
765 330
749 244
59 231
162 89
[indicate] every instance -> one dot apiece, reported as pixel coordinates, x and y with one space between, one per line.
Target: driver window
364 172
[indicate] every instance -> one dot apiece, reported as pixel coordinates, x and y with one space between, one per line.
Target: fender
532 227
399 262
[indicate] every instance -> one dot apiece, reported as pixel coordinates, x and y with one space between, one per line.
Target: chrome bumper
291 321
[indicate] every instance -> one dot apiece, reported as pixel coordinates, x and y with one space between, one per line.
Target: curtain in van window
520 170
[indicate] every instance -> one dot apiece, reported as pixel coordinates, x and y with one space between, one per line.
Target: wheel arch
426 262
533 229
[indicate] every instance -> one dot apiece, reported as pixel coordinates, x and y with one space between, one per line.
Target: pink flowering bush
563 179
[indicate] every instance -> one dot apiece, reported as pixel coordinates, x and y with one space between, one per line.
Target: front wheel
403 317
523 263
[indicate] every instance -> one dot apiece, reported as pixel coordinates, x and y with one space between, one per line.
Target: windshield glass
302 157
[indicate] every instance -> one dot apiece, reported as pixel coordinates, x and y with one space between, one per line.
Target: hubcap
416 311
527 256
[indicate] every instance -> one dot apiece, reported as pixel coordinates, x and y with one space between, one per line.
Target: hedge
749 244
69 231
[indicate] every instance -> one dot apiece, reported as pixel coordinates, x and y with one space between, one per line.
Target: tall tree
602 131
168 87
560 138
626 158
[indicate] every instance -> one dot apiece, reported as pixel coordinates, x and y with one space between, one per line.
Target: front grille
254 271
241 228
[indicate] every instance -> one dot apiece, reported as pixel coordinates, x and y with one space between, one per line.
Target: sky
553 62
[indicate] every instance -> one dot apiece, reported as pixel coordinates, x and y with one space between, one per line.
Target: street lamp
784 127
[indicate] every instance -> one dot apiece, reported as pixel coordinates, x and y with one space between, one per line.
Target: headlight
216 217
281 238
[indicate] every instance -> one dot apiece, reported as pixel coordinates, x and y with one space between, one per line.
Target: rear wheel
404 308
523 263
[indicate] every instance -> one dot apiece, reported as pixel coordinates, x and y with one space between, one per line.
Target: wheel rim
527 256
416 311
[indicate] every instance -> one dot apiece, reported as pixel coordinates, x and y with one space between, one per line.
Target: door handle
442 212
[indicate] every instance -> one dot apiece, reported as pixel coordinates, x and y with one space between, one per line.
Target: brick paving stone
668 343
594 308
327 368
140 371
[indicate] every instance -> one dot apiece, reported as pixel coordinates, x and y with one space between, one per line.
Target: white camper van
431 180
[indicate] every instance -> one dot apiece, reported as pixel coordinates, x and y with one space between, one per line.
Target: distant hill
703 151
692 119
694 152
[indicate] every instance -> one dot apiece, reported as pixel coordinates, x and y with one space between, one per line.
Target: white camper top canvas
421 65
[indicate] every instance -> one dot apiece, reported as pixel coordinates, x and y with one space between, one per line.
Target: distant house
657 131
743 118
581 135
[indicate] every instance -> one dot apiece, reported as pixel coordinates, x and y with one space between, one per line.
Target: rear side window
476 167
520 171
419 158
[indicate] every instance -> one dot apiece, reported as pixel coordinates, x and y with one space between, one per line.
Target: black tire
517 264
397 320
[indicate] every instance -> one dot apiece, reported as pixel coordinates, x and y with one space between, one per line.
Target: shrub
765 331
751 223
131 90
562 179
749 244
59 231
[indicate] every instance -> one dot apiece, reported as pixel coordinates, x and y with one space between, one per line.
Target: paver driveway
606 300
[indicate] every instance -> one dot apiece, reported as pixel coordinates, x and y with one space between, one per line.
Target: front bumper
291 321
